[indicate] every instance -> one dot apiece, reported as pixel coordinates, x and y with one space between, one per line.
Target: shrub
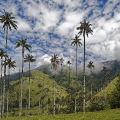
97 104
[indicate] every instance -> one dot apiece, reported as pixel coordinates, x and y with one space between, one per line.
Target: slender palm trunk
19 89
22 80
29 88
8 90
43 92
69 79
5 73
91 83
1 90
84 78
105 88
47 104
54 96
39 103
76 79
54 99
61 89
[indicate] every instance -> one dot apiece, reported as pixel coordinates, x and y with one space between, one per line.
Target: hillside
38 77
65 90
106 91
109 88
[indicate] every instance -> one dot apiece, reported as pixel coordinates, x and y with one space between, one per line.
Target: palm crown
61 60
23 43
68 62
2 53
54 61
76 41
29 58
104 70
10 63
7 20
90 65
85 28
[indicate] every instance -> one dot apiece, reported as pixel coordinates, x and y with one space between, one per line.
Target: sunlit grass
101 115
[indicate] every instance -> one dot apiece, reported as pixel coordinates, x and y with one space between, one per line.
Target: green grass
111 114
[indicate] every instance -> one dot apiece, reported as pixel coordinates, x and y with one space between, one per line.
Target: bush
97 104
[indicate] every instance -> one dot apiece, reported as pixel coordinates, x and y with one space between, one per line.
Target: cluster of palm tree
84 29
8 22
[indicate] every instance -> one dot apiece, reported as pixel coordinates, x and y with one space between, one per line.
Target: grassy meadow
111 114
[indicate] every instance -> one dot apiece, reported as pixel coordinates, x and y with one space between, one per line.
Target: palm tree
76 42
61 62
29 58
68 62
10 64
84 29
54 61
105 72
24 45
90 65
2 54
8 22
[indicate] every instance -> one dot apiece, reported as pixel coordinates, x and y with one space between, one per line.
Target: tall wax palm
54 61
61 62
2 54
8 22
24 45
84 28
29 58
10 64
76 42
90 65
105 72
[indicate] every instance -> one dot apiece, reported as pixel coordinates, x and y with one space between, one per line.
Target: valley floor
111 114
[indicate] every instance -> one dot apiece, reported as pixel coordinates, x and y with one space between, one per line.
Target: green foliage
101 115
97 104
24 102
114 98
57 100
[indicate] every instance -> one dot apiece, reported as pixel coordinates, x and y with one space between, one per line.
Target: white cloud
22 24
44 17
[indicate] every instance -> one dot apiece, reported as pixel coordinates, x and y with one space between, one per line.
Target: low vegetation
111 114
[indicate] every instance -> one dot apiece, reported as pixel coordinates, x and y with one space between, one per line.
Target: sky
49 26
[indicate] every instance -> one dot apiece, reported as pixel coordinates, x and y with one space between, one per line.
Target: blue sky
50 25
